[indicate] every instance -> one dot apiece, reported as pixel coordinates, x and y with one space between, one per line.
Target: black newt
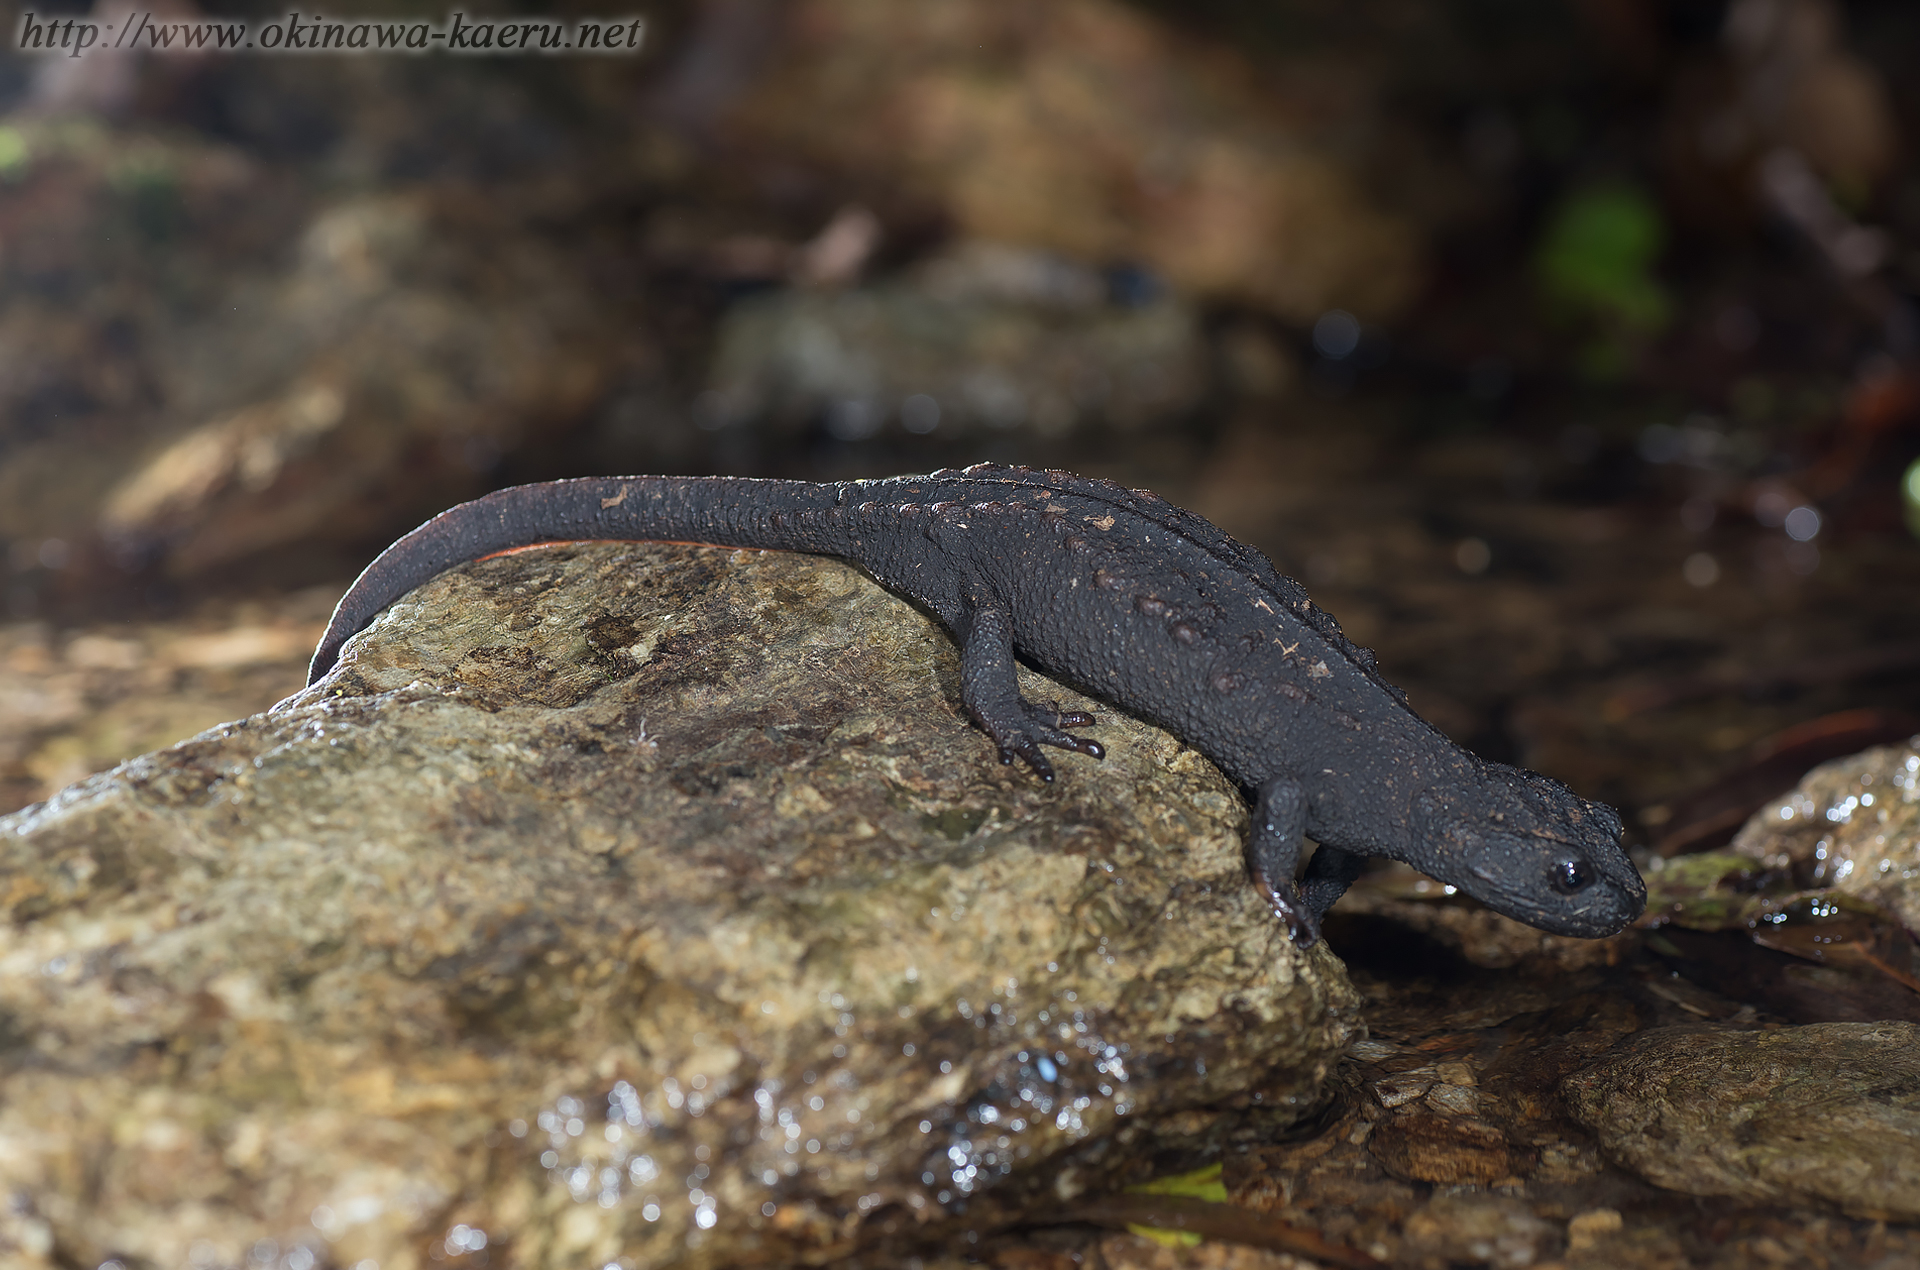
1143 605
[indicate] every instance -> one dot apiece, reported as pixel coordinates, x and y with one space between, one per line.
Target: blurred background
1566 349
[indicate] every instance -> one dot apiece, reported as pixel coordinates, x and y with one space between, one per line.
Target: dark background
1566 350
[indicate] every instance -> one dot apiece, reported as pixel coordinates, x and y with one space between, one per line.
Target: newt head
1530 848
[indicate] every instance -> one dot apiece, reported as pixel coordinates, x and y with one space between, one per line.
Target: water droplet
1336 335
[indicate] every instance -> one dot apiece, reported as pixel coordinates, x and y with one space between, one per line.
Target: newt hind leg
1273 855
1329 874
990 689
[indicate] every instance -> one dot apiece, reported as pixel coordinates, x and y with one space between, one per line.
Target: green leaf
1597 256
1202 1183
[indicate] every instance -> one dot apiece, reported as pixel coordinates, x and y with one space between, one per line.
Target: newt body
1143 605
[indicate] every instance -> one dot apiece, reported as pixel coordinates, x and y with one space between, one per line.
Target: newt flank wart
1143 605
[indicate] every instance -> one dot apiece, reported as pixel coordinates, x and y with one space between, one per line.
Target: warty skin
1142 605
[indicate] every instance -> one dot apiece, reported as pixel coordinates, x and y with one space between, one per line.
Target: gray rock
1825 1115
1856 821
985 339
616 901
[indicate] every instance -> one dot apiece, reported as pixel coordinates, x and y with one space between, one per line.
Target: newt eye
1572 875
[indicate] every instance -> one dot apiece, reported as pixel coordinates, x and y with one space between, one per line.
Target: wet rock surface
1852 825
640 903
1825 1115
